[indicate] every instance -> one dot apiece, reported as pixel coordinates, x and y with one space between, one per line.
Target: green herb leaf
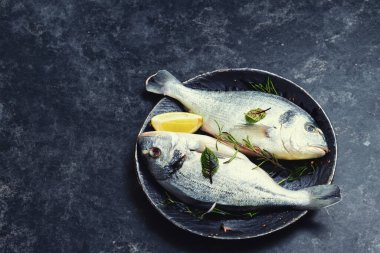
210 163
255 115
251 214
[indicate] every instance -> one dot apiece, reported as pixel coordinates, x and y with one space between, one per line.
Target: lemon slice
177 122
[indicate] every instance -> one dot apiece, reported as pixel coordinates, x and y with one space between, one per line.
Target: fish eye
154 152
310 128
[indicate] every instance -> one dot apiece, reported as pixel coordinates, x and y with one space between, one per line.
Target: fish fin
221 150
322 196
252 129
161 82
220 155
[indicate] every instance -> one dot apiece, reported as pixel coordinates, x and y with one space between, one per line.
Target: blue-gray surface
72 100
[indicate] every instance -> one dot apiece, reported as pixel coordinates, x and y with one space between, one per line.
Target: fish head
163 153
302 138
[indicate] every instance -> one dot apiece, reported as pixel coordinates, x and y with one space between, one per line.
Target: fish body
286 131
174 159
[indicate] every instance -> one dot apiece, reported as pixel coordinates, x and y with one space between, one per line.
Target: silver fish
287 131
174 159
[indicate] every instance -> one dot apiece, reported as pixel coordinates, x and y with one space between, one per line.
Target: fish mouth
146 134
154 133
319 149
149 134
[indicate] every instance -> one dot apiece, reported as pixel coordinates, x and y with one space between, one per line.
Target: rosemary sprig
298 172
268 87
263 155
169 199
220 211
260 164
251 214
232 157
200 213
225 136
188 210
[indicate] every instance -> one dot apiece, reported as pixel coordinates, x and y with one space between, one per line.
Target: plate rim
146 121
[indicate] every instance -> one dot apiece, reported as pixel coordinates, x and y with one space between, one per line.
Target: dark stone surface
72 100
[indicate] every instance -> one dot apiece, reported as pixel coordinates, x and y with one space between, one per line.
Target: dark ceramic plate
264 222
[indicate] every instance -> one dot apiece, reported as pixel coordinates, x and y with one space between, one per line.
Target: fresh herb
220 211
226 137
188 210
298 172
169 200
251 214
260 164
268 87
200 213
232 157
263 155
255 115
210 163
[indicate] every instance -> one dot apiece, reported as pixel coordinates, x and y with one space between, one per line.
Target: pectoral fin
200 142
254 130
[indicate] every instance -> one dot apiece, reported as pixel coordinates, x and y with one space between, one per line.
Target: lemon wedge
177 122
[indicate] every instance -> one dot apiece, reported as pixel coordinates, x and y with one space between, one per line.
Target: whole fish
174 159
286 131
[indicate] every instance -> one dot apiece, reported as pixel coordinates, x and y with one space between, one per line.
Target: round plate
264 222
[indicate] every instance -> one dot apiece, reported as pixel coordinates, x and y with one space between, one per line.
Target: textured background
72 100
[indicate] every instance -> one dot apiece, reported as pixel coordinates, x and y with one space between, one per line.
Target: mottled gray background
72 100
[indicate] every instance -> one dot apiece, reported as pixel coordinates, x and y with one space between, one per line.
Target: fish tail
162 82
322 196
